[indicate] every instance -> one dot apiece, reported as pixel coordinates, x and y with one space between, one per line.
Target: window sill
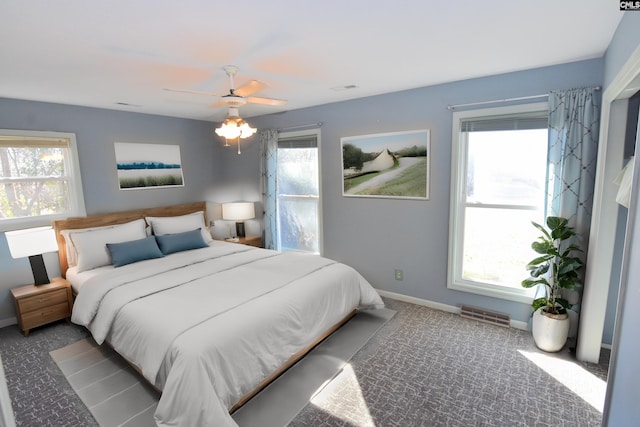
523 295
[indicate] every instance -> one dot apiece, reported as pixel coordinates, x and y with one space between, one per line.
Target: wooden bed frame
127 216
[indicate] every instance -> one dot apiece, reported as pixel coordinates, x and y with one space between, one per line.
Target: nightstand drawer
46 299
46 315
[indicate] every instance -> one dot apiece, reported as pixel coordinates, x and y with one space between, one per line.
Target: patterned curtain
573 149
268 176
572 153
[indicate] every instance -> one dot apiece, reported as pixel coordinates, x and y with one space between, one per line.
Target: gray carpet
422 368
39 392
431 368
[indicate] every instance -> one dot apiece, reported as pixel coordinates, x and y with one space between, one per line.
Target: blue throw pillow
133 251
170 243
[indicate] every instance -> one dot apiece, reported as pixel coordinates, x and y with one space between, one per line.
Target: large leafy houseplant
556 268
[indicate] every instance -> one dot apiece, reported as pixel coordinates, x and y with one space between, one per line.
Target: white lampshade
32 241
238 211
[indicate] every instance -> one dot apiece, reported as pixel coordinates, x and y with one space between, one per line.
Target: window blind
532 120
32 142
306 141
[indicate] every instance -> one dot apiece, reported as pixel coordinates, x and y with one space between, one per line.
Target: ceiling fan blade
266 101
194 92
250 88
217 104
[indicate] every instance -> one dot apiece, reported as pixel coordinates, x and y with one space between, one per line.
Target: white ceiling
101 53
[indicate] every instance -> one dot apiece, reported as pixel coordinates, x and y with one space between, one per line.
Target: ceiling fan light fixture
234 127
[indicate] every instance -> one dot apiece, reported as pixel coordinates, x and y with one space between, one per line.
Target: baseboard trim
517 324
8 322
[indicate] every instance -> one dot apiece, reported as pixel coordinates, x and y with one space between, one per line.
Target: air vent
487 316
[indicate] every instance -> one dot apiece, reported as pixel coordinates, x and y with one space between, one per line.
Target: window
298 191
499 161
39 178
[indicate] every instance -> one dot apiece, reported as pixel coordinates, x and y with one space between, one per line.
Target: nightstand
251 241
247 240
42 304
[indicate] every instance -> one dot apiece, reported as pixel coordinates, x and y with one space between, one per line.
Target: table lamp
32 243
238 211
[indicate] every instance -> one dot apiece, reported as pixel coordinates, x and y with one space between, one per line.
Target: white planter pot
550 331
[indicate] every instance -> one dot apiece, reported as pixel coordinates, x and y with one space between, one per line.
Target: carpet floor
424 367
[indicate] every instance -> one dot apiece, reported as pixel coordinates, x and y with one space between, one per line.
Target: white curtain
268 175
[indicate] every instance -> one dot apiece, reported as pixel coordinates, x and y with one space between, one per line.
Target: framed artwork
144 166
392 165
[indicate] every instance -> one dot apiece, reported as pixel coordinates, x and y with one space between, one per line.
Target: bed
208 323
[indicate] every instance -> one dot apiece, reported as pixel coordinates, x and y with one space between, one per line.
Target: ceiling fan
240 96
234 127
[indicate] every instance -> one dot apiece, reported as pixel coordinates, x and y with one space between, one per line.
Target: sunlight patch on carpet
577 379
349 404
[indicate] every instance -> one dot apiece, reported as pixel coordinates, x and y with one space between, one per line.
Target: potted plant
556 268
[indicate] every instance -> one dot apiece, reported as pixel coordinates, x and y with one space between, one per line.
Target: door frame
605 211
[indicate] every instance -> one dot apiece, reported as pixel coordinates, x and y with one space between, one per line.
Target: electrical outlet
398 274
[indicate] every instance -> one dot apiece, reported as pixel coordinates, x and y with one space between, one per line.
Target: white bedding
208 325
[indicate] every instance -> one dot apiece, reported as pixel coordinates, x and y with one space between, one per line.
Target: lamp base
240 229
39 270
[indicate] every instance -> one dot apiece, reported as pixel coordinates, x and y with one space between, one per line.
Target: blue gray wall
377 236
96 130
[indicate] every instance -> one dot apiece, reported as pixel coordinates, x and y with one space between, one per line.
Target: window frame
295 134
458 205
76 205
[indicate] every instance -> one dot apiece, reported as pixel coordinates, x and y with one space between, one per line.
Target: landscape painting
143 166
394 165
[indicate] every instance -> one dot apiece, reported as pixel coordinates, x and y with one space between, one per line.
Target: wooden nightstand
248 240
251 241
42 304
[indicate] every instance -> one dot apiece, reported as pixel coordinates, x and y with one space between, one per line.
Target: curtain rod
521 98
318 124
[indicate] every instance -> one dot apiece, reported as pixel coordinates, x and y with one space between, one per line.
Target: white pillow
179 224
72 253
72 258
91 244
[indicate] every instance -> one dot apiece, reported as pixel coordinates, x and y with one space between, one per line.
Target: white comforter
207 326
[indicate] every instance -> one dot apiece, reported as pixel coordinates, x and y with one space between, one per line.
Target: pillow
72 258
170 243
70 249
91 244
179 224
133 251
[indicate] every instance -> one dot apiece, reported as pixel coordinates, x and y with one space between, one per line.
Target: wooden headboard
101 220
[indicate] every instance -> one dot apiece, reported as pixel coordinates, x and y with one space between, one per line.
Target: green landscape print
143 166
386 165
